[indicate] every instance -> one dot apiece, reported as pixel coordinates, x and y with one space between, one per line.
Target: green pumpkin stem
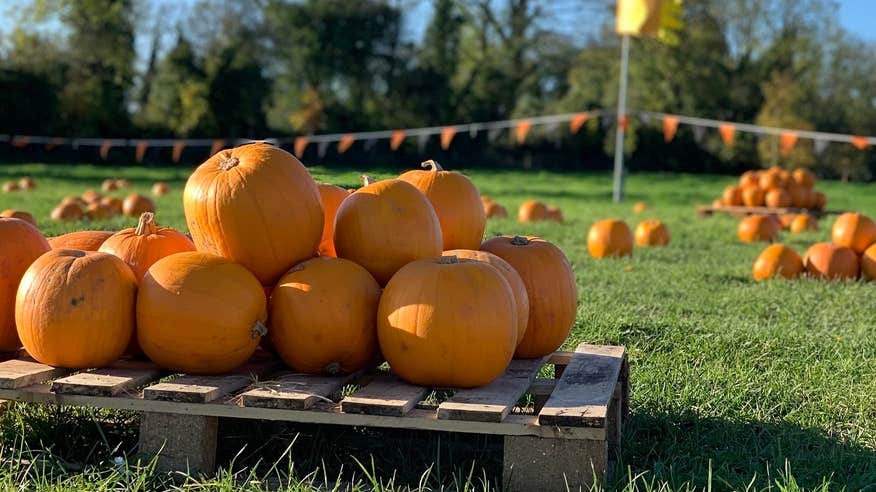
448 260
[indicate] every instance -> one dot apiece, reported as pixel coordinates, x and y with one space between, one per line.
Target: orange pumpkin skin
555 214
771 180
800 196
749 178
160 189
99 211
67 211
136 204
256 205
752 196
457 204
385 225
820 200
10 186
532 211
109 185
777 198
785 220
145 244
331 197
757 228
122 183
640 207
609 237
81 240
802 223
323 315
550 285
868 263
20 244
732 195
27 183
18 214
828 261
718 202
803 177
493 209
853 230
75 309
199 313
775 260
91 196
652 233
518 288
447 322
113 203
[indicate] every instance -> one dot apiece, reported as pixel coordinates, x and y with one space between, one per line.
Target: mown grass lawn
734 383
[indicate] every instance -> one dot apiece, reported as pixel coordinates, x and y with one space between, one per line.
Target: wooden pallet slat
18 373
293 391
124 375
705 210
493 402
386 395
205 389
585 391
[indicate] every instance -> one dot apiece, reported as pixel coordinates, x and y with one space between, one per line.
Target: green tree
783 98
178 94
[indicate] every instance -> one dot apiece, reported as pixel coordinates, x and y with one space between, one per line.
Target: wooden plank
17 373
204 389
585 389
704 210
493 402
513 425
293 391
124 375
387 395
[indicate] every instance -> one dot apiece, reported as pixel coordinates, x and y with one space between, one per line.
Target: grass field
735 384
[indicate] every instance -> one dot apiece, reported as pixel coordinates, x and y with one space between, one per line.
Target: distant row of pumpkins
402 272
94 206
612 237
766 227
774 187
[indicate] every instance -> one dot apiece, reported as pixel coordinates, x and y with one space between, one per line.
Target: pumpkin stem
332 368
259 329
228 163
146 224
367 180
432 166
448 260
519 241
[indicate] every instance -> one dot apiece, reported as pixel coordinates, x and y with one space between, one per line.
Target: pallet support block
535 463
181 442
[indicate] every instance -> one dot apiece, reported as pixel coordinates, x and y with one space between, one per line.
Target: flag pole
618 193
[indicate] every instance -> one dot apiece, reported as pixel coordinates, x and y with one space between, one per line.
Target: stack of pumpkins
401 274
24 184
536 211
776 188
612 237
850 254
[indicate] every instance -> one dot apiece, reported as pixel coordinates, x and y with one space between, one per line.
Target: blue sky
859 16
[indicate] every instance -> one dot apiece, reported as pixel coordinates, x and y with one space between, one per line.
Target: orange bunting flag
398 137
577 122
670 126
18 141
140 150
177 150
522 130
218 145
787 140
345 143
447 136
728 131
105 148
300 144
860 143
624 122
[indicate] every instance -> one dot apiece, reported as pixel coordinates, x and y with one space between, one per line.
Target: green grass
735 384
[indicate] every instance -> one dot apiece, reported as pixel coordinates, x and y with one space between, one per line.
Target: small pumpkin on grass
331 197
555 214
75 309
82 240
832 262
803 177
532 211
20 245
18 214
99 211
27 183
109 185
640 207
140 247
427 310
160 188
323 316
777 260
199 313
10 186
68 211
113 203
609 238
853 230
494 209
819 201
136 204
758 228
868 263
652 233
803 223
91 196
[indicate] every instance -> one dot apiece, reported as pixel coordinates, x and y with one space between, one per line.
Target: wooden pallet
739 211
569 436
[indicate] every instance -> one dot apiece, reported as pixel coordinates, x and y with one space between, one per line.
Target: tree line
258 68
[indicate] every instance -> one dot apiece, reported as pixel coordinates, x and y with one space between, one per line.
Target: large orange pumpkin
199 313
18 214
652 232
20 244
732 195
456 201
136 204
518 288
777 198
853 230
82 240
67 211
145 244
752 196
609 237
804 222
868 263
323 316
550 284
256 205
75 308
803 177
331 196
385 225
829 261
777 259
757 228
447 322
532 211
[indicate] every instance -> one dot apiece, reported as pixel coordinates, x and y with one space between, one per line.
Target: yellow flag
638 17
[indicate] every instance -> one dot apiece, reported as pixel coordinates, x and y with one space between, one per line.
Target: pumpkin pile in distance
536 211
492 208
774 187
612 238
